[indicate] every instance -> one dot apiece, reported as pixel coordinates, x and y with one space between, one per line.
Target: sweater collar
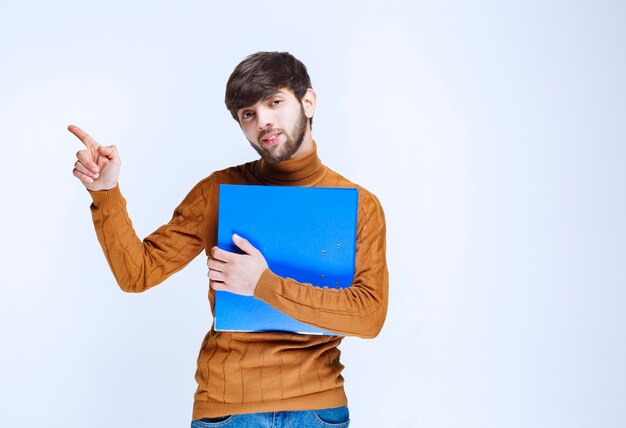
304 170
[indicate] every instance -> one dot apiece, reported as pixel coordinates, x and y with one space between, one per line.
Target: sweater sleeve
138 265
359 310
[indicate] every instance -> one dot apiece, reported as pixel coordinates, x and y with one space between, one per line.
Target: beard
292 142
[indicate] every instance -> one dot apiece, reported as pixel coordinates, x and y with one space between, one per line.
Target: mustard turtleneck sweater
258 372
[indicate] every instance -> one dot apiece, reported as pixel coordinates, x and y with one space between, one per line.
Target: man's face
277 126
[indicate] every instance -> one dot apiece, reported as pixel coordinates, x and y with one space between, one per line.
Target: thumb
243 244
106 151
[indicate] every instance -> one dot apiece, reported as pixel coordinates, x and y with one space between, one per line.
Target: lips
271 138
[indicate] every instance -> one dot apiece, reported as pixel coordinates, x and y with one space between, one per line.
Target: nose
264 119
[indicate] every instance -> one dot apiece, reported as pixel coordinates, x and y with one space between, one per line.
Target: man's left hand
236 273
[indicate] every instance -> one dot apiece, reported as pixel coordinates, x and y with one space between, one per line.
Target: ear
309 102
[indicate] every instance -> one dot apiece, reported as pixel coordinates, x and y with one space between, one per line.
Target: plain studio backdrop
493 133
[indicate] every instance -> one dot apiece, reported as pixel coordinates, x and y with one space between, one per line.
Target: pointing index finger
83 136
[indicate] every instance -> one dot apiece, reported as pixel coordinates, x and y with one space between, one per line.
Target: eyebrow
273 94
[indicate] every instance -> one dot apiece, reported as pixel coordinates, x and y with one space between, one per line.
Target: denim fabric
325 418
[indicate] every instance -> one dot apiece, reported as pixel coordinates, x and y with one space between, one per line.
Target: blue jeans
338 417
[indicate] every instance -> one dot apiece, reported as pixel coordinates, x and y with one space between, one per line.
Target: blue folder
304 233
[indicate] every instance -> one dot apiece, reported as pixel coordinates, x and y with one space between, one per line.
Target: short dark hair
260 75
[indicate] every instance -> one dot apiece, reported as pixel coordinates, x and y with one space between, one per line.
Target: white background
493 133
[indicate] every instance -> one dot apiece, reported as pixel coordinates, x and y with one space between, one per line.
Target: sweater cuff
106 197
266 287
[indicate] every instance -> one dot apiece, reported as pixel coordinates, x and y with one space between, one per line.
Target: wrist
101 188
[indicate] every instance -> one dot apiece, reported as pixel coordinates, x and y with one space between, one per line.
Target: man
253 379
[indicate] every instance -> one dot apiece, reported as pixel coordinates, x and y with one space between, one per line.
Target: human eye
246 115
276 102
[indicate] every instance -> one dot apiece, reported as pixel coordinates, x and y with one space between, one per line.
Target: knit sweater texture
267 371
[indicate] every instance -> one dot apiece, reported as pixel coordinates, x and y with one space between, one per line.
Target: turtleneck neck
304 170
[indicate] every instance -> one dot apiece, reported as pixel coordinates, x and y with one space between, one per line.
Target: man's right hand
97 167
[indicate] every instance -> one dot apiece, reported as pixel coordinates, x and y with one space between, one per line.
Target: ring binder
289 225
